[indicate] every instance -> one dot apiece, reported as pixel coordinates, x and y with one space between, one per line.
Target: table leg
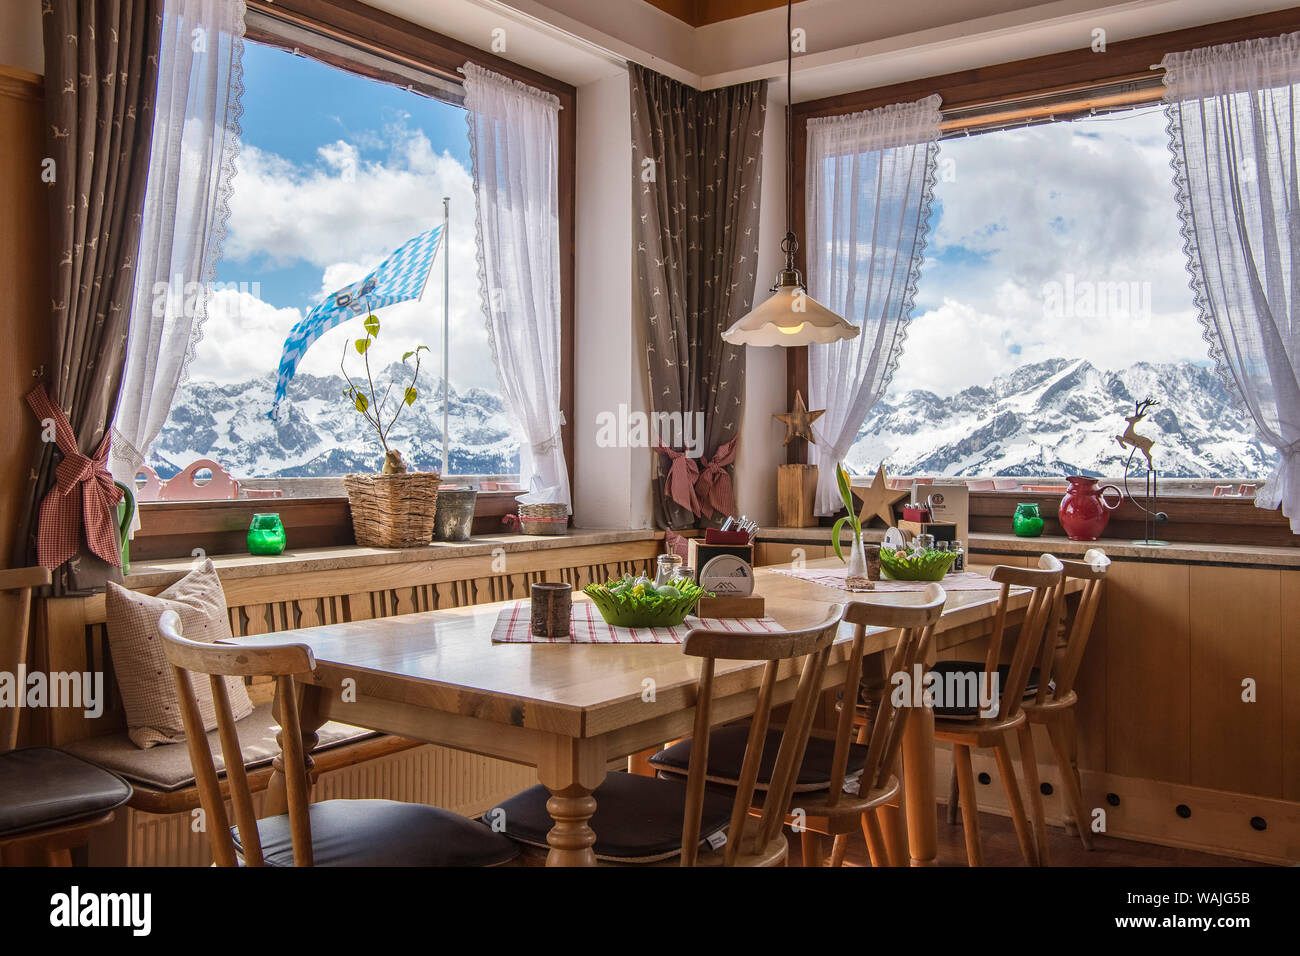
312 713
571 768
918 784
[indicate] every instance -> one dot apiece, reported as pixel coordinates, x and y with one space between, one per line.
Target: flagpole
446 312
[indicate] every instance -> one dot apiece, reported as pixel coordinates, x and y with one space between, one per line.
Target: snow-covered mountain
1048 419
1060 417
320 434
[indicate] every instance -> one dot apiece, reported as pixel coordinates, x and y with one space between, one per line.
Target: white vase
855 575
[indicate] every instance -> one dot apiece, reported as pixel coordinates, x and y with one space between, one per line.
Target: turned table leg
918 784
571 768
312 713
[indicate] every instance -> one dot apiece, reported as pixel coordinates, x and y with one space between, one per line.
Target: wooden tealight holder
550 607
796 495
731 607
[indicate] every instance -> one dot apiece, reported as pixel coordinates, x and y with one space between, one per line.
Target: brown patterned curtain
101 77
697 159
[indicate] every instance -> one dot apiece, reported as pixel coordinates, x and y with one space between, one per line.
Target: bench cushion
168 767
42 788
153 709
384 833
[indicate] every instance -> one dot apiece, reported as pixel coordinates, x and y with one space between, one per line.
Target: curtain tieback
64 514
549 443
1291 451
713 487
681 479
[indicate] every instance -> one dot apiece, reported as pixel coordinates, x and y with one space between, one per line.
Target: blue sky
335 172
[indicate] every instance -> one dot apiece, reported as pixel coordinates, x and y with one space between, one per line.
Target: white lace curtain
1232 114
191 165
870 182
514 146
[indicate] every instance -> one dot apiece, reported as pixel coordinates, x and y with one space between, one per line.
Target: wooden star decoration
878 498
798 421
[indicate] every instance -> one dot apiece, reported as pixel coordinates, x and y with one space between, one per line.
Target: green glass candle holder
266 535
1027 522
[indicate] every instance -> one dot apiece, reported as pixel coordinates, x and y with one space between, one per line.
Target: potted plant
855 575
394 508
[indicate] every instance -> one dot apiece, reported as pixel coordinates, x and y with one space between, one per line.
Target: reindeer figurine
1130 438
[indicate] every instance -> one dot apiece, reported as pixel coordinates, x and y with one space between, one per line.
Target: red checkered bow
713 487
681 479
62 515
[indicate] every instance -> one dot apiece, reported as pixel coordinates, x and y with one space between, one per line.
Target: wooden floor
998 838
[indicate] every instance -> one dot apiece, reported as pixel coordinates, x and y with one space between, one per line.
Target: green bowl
629 608
927 566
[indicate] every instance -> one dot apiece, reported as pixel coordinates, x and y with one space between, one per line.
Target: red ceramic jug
1084 511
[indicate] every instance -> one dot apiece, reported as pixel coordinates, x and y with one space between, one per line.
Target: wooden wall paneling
1090 712
1147 670
1236 633
24 275
1290 616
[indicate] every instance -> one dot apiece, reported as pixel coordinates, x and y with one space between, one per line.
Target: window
336 171
1053 297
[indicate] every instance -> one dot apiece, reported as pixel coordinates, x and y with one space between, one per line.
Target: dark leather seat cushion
727 753
971 711
637 820
42 788
385 833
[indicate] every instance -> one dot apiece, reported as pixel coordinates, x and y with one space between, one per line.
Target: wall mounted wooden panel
24 276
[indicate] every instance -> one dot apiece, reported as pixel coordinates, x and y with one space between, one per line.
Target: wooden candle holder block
731 607
796 495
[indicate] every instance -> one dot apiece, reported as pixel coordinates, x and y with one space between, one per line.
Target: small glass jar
266 535
683 573
1027 522
922 543
666 568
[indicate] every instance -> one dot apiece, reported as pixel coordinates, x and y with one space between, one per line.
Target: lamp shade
790 317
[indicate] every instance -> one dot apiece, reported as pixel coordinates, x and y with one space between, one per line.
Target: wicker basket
393 511
544 519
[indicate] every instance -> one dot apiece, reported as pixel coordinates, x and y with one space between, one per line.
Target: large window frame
378 38
1040 89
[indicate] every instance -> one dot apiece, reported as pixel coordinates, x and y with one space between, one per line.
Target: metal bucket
455 515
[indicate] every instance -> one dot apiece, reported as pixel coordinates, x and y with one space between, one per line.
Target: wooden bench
309 589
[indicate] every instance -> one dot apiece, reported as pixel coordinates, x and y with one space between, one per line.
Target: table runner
834 578
586 626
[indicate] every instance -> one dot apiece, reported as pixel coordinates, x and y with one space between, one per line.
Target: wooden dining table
571 709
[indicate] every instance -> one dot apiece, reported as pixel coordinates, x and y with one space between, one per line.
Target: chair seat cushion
727 753
971 710
167 767
42 788
384 833
637 820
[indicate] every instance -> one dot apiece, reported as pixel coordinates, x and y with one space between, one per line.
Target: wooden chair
49 800
965 727
867 764
1058 667
330 833
647 820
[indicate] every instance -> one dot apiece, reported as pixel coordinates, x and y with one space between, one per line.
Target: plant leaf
411 396
361 402
362 345
406 355
835 537
842 480
371 325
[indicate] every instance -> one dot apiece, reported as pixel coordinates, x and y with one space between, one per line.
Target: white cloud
1085 206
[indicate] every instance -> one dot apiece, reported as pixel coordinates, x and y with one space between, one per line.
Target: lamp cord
789 129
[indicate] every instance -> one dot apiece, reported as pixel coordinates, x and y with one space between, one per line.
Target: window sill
162 572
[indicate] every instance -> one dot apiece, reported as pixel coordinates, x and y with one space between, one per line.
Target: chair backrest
1063 668
219 661
916 623
16 611
1041 617
810 649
